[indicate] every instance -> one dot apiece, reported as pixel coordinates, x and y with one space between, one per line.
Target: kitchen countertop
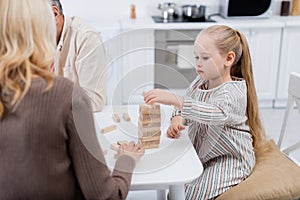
250 22
289 20
147 22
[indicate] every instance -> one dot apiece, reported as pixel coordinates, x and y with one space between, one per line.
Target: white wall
94 10
100 10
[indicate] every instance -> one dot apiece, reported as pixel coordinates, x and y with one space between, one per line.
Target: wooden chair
275 175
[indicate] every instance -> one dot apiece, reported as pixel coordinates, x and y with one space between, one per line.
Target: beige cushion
274 177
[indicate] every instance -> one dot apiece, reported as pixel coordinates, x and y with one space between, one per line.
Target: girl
44 154
221 110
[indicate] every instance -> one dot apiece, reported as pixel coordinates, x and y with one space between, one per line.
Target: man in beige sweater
81 56
49 149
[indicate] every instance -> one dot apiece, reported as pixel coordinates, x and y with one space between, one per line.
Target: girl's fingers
150 99
174 132
169 133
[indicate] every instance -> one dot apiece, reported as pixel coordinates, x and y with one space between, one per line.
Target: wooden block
152 146
149 116
148 134
146 109
154 134
147 119
126 117
147 106
108 128
149 111
150 124
122 142
149 129
152 142
148 139
114 147
116 118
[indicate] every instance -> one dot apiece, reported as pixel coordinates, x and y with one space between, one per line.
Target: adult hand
136 151
163 97
175 127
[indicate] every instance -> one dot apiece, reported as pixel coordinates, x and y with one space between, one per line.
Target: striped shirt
220 136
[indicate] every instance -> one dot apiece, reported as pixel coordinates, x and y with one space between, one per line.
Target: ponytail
243 69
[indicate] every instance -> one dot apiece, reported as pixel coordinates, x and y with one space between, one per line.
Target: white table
170 166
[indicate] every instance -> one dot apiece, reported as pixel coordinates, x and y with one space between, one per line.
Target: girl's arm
221 111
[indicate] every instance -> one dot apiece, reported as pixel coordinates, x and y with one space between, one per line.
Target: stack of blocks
149 125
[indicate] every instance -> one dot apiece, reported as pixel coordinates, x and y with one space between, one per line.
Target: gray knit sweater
44 154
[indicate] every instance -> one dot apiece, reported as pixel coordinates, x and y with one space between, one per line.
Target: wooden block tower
149 125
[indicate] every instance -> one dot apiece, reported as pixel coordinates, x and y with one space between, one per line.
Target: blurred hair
57 4
27 47
226 40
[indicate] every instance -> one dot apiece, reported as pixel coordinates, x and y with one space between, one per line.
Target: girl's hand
164 97
175 127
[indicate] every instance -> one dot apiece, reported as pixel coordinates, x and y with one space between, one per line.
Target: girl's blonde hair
226 40
27 47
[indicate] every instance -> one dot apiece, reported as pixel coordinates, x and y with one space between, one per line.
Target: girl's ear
230 57
56 12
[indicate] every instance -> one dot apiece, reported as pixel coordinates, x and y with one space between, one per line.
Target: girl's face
210 64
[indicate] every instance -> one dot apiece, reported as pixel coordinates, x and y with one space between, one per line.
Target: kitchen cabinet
137 64
109 31
289 61
264 45
114 69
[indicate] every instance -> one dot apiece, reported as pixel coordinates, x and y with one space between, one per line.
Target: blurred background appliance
246 8
192 11
174 59
168 11
171 13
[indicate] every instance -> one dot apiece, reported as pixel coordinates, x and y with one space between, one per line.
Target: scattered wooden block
122 142
126 117
108 128
116 118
